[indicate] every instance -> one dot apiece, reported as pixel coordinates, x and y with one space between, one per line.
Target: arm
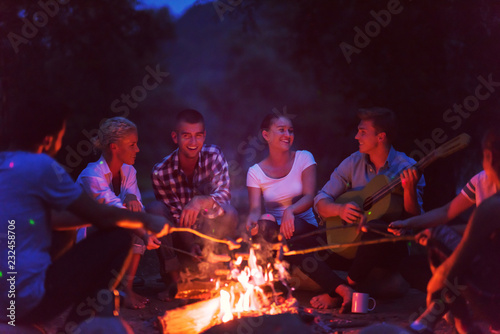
220 181
150 241
98 188
409 179
65 220
104 216
193 208
254 197
438 216
304 203
308 191
219 193
338 184
169 198
481 225
132 200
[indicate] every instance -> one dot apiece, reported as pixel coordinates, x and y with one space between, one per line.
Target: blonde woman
112 180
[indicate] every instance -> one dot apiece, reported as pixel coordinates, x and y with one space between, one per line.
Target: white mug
360 303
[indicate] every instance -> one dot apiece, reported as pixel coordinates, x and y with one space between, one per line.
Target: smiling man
375 156
192 189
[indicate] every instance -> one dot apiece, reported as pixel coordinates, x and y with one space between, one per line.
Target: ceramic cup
360 303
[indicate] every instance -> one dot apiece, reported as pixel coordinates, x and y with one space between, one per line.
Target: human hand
350 212
252 225
190 213
287 223
423 237
398 227
151 241
409 179
132 203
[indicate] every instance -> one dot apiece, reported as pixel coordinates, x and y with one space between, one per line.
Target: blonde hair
111 131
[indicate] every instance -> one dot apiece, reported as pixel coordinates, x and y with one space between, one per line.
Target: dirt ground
396 311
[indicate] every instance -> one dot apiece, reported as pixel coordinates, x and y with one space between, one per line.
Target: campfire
247 290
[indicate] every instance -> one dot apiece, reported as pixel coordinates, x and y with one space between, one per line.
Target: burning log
190 319
250 293
281 323
196 290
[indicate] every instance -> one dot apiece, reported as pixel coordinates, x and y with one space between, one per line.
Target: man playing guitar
376 156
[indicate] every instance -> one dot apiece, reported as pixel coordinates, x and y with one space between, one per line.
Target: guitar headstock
452 146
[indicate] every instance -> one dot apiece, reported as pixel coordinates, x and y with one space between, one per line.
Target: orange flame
248 296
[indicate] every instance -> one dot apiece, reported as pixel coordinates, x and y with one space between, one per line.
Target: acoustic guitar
381 198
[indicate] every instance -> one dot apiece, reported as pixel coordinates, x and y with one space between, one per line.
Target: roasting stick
230 243
323 230
183 251
365 227
352 244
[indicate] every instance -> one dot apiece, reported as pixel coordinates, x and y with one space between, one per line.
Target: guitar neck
446 149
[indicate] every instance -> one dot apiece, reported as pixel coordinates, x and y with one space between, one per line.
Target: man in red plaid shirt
192 188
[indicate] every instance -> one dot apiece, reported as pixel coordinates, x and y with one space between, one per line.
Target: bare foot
345 291
142 299
134 301
325 301
169 293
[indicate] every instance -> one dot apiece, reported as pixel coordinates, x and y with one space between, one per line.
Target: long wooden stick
231 244
352 244
323 230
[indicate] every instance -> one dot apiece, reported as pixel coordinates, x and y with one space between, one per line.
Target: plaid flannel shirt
211 177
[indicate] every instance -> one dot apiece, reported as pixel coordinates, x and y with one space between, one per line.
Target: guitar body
388 208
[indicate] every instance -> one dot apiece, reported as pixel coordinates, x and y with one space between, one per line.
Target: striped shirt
210 178
479 188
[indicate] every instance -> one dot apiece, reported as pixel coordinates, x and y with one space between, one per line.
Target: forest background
435 63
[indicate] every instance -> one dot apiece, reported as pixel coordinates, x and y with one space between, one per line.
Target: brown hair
26 123
269 120
384 120
491 141
190 116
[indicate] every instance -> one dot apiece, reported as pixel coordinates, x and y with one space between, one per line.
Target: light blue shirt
357 170
30 186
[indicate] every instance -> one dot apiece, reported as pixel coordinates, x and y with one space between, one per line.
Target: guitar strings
382 192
